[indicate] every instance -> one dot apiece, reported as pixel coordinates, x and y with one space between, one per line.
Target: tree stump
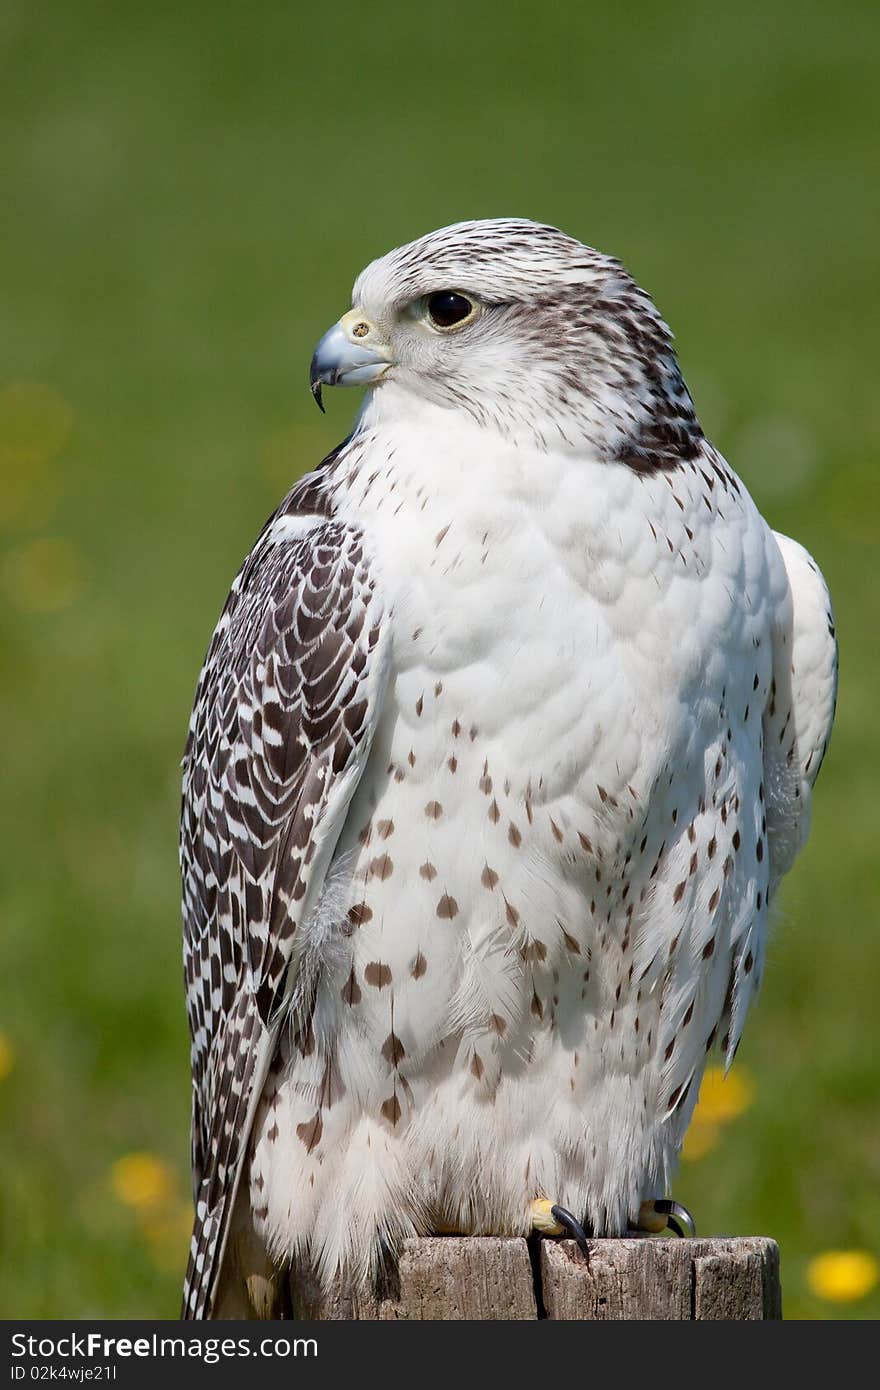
491 1278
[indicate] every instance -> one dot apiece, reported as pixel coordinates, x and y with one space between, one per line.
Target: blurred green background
187 194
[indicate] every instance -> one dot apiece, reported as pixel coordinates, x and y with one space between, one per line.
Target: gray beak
349 354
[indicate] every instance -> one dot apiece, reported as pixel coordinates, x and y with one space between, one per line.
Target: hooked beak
349 354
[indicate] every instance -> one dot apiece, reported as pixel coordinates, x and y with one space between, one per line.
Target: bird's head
523 327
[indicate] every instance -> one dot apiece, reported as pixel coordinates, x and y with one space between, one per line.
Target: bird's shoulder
285 705
305 549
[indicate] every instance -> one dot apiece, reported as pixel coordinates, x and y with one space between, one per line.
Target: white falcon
503 742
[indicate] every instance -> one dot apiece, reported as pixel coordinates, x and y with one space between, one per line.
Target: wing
800 712
284 714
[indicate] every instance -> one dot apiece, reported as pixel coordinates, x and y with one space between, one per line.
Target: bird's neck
626 413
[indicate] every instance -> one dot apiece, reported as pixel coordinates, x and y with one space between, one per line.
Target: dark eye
446 308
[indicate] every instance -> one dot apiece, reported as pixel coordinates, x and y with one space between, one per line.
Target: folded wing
284 715
800 711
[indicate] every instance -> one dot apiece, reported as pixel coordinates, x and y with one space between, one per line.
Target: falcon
505 737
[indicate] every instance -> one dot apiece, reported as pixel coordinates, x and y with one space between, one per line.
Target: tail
225 1150
210 1226
234 1278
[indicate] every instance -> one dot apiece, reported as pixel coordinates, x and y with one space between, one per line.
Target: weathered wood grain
477 1278
664 1280
489 1278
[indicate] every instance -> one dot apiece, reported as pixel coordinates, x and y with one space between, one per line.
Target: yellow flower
698 1141
7 1057
840 1276
723 1098
143 1181
43 576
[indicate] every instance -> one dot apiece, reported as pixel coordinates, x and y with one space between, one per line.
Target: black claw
573 1226
678 1218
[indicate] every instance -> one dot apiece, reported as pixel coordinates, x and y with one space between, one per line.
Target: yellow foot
543 1219
664 1214
549 1219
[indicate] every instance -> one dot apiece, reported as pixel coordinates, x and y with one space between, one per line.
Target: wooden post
495 1278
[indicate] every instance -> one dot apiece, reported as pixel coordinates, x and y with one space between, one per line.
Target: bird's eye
446 308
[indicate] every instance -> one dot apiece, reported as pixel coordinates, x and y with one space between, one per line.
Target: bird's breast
586 621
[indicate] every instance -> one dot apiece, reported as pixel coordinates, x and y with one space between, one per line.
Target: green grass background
187 193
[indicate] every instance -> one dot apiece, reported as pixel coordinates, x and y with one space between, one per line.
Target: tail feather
205 1254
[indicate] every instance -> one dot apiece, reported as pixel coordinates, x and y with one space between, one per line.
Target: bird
503 742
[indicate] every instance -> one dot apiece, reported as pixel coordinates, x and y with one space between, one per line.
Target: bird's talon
665 1214
548 1219
573 1227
